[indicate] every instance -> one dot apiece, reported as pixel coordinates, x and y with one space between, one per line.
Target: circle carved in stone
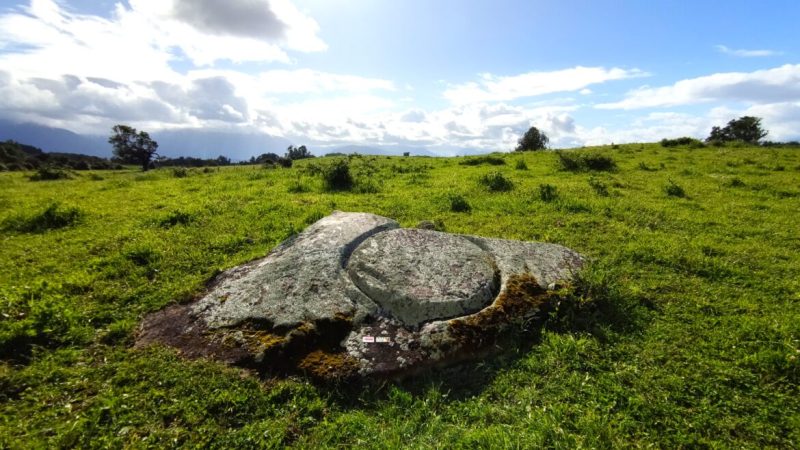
422 275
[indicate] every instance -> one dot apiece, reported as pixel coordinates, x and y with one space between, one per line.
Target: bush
674 190
521 165
50 173
180 172
297 187
458 203
286 163
547 192
735 182
337 176
599 187
582 162
176 218
682 141
51 218
488 159
496 182
42 317
645 167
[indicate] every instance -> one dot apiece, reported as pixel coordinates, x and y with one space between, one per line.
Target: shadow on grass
596 305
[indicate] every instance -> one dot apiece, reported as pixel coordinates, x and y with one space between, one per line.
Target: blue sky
437 74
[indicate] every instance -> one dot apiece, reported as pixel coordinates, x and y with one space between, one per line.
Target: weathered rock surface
302 280
422 275
354 294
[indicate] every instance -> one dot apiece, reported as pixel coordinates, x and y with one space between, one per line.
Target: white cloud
305 81
746 53
759 87
493 88
140 41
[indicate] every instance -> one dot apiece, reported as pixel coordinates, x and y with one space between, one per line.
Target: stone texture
355 295
302 280
421 275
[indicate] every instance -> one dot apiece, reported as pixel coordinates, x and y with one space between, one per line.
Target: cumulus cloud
746 53
758 87
205 99
492 88
78 104
247 18
142 38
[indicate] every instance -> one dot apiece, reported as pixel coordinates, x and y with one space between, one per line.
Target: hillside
685 331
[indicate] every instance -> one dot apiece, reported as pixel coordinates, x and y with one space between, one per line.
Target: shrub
459 204
521 165
570 162
682 141
180 172
582 162
735 182
674 190
297 187
547 192
176 218
645 167
488 159
286 163
337 176
599 162
50 173
51 218
599 187
41 318
496 182
367 186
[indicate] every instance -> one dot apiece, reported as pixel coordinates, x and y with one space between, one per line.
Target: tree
532 140
133 147
298 152
746 128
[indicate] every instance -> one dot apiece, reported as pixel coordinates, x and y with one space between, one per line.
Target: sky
443 75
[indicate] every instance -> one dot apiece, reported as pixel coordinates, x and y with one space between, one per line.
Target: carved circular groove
422 275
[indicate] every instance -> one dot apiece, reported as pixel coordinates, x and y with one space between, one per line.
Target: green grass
684 333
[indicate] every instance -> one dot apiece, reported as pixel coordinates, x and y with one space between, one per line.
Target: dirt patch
176 326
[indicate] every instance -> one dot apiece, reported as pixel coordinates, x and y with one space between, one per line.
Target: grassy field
690 339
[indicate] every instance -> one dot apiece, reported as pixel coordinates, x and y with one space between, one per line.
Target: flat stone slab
355 295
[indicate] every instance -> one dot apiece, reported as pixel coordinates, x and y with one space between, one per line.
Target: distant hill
54 139
199 143
171 143
16 156
210 144
376 150
398 150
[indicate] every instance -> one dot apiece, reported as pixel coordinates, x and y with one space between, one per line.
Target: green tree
133 147
533 139
746 129
298 152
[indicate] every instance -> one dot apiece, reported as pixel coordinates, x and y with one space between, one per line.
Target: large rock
354 294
